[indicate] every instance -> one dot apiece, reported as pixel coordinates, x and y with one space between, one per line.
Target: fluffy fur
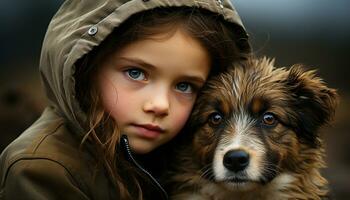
273 116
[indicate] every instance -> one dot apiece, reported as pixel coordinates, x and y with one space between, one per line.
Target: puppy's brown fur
271 117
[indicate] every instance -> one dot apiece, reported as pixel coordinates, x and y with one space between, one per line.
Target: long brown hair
223 41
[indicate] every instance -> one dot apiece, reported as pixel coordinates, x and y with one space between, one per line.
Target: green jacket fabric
45 162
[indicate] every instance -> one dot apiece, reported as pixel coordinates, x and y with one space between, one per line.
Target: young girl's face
149 87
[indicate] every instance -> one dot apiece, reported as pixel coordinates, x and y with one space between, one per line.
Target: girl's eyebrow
138 61
194 78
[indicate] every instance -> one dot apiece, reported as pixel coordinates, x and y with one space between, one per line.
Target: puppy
255 136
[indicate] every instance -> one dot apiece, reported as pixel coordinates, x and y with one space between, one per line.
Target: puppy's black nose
236 160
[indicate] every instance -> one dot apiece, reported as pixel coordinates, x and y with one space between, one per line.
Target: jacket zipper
125 144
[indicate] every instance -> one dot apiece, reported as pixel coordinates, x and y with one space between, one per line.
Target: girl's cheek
182 115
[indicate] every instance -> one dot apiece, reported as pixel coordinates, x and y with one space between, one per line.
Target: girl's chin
141 146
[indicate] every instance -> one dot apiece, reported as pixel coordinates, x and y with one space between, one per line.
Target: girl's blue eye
184 87
136 74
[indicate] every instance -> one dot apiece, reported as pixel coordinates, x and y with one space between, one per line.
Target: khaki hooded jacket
45 161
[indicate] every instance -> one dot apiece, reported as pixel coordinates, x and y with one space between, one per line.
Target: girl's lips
148 131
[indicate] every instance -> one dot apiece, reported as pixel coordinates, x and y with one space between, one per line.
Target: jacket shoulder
47 149
38 179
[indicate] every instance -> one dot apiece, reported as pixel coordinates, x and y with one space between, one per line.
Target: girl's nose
158 104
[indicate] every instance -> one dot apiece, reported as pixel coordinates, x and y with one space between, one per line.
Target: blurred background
313 32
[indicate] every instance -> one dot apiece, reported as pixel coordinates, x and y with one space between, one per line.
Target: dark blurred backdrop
313 32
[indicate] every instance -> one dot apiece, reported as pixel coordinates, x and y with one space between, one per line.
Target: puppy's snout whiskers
269 171
207 172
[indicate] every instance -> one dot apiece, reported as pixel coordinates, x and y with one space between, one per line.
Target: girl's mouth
148 131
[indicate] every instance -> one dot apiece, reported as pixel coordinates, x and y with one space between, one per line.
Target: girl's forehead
179 53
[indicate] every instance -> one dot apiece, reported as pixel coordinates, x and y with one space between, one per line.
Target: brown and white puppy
255 136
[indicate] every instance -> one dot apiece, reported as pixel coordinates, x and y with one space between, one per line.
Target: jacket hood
79 26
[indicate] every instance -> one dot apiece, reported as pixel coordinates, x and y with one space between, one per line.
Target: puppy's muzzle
236 160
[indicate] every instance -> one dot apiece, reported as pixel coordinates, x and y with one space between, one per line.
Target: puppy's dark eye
215 118
269 119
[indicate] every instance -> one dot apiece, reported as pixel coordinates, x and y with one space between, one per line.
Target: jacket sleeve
40 179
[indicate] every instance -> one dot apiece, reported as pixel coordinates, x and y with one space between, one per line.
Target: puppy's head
256 121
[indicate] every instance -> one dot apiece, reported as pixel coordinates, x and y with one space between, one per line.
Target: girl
121 78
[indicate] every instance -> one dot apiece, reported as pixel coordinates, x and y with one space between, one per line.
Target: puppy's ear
313 101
